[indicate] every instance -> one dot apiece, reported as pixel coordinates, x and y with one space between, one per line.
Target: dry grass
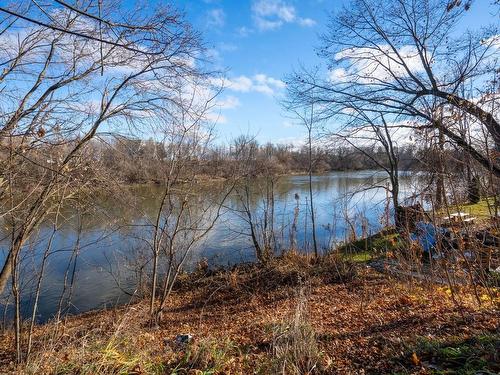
295 350
252 321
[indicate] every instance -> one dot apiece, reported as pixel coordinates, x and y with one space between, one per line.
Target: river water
102 270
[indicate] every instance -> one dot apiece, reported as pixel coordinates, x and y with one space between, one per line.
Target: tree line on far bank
139 161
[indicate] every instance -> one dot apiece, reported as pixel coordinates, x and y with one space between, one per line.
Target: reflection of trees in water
112 230
129 211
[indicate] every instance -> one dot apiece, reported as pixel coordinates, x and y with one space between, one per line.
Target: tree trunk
313 221
486 118
440 191
9 263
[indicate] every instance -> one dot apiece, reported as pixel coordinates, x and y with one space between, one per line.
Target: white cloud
260 83
274 8
244 31
227 47
492 41
229 102
308 22
337 75
267 85
272 14
213 54
264 79
216 18
215 117
376 64
241 83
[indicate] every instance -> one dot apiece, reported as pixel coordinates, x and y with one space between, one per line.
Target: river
107 238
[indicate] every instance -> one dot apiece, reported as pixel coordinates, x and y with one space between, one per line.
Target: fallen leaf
414 359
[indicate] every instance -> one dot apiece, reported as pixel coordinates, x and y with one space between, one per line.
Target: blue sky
259 42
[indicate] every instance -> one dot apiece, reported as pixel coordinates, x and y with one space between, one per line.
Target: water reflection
111 232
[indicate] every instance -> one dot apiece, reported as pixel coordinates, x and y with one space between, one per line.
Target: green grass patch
366 249
360 257
484 208
207 357
478 354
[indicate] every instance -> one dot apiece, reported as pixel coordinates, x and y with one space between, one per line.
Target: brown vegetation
258 318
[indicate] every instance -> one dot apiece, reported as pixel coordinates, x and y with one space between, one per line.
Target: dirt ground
252 322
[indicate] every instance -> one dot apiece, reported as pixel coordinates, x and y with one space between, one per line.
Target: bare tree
400 59
363 132
64 70
60 89
109 31
187 211
258 217
308 120
259 175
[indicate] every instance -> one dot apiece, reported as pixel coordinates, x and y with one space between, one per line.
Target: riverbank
332 316
208 178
